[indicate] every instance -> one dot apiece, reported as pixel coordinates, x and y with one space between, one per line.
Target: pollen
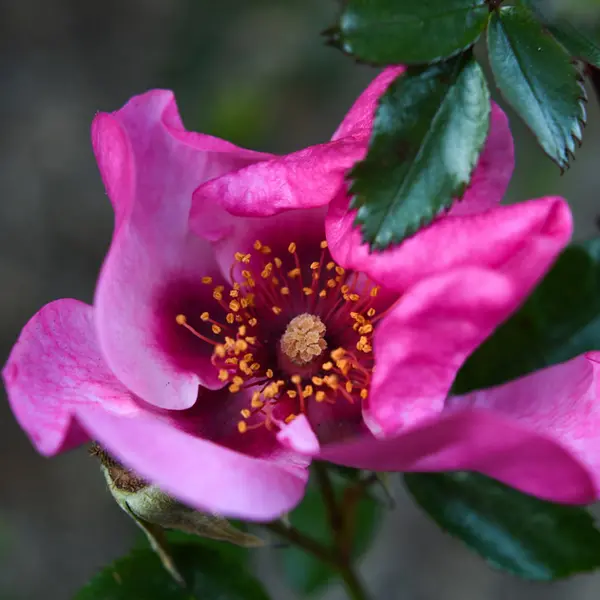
304 339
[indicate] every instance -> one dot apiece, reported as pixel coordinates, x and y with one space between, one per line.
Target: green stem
339 529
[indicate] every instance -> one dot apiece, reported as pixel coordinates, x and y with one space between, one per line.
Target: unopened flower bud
154 511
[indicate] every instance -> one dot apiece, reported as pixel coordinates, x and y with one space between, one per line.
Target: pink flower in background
237 315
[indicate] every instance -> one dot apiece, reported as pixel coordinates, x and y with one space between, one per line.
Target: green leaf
559 321
140 575
539 80
304 573
410 31
580 40
428 133
517 533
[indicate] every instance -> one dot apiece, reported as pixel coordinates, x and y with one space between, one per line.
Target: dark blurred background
257 73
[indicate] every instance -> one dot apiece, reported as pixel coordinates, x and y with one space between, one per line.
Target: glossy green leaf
207 574
409 31
580 40
559 321
304 573
427 135
539 80
517 533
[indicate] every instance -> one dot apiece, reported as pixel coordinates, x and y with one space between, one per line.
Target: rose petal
56 367
561 403
150 166
481 441
421 343
519 240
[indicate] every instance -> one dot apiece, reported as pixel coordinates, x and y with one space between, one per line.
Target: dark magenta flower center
294 331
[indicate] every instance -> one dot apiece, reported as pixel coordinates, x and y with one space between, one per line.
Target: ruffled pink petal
56 367
150 166
201 473
360 116
308 178
519 241
561 403
304 179
480 441
421 343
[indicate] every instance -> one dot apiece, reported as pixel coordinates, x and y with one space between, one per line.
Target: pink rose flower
238 321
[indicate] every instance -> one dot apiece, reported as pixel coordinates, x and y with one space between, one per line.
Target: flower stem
339 529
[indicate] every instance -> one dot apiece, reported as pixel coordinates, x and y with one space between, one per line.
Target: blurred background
255 72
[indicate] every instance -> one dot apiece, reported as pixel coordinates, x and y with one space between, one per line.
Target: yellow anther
246 274
331 283
374 291
317 380
216 329
234 293
246 258
292 393
296 379
340 270
181 319
266 250
366 328
322 294
331 381
338 353
245 413
205 316
242 330
285 291
307 291
269 373
217 295
274 281
371 312
345 289
245 368
251 339
220 351
292 248
320 396
354 297
278 262
240 346
363 394
323 245
234 388
223 375
308 391
348 386
253 321
255 366
242 427
314 265
330 265
234 306
294 273
232 360
290 418
239 256
237 380
230 318
256 402
276 310
207 280
327 366
257 245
